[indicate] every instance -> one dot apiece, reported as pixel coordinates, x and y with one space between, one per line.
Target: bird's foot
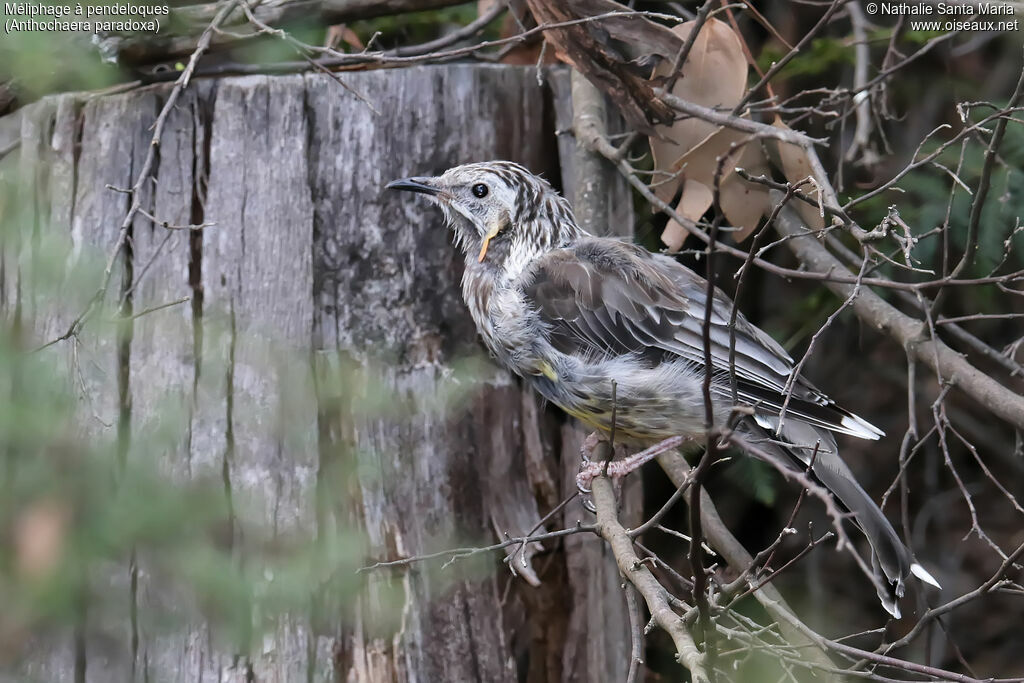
591 468
617 469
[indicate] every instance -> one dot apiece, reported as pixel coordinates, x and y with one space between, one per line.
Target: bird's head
502 215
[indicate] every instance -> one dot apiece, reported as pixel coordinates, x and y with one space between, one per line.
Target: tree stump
309 353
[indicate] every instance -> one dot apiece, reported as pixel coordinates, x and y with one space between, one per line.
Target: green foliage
822 56
756 478
925 198
39 62
419 27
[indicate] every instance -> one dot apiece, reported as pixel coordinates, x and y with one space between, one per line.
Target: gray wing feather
611 297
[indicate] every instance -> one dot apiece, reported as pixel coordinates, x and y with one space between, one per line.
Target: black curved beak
421 185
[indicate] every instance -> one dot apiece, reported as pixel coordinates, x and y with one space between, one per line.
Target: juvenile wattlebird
590 322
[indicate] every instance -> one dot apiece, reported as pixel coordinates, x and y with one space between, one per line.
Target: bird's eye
479 190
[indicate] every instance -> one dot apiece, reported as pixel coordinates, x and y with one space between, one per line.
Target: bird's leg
617 469
590 468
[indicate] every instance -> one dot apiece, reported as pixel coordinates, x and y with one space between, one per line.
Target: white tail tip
922 573
857 426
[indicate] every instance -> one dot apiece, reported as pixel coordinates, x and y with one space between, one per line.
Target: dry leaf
743 202
696 199
39 534
797 168
341 33
714 75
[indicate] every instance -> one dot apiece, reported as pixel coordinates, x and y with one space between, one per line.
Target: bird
601 326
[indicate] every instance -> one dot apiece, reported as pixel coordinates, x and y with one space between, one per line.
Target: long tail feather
891 560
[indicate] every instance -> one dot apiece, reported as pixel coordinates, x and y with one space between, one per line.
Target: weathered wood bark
593 575
315 368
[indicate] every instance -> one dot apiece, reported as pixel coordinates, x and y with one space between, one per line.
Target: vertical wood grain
323 374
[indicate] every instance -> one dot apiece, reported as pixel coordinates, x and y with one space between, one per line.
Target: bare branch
637 573
722 540
908 331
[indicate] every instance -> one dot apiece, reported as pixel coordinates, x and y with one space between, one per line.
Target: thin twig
636 634
637 573
461 553
144 175
996 398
